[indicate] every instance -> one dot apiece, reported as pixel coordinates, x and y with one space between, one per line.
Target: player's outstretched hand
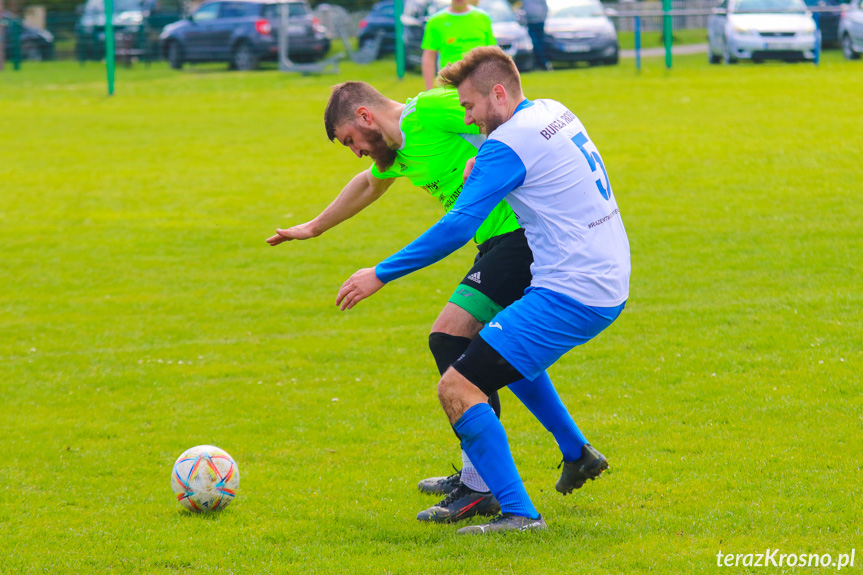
359 286
468 168
300 232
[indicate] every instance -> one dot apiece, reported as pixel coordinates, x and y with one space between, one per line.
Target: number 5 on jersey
592 159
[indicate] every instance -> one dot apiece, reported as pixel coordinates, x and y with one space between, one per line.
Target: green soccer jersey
436 144
452 35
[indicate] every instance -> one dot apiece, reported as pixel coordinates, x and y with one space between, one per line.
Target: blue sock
484 440
540 397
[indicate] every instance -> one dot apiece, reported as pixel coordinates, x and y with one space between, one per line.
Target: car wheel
302 58
713 58
175 55
848 48
244 57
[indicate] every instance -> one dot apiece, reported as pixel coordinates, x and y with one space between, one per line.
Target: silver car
580 31
759 30
851 30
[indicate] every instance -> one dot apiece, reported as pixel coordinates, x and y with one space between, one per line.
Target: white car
851 30
758 30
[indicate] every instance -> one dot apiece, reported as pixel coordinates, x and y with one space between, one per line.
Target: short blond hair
485 66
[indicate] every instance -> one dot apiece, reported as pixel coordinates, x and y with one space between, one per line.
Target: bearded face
492 120
376 148
480 110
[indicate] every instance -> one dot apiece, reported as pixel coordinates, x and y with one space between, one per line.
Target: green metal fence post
15 38
398 5
2 38
141 43
109 44
666 31
817 17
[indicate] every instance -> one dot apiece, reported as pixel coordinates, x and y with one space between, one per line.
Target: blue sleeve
497 172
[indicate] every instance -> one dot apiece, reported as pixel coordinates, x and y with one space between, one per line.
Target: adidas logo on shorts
474 277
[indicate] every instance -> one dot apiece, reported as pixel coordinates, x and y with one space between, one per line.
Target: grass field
142 313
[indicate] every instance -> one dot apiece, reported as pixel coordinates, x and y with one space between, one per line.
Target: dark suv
380 21
244 32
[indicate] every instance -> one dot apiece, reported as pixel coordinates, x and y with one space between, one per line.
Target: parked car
137 24
851 30
381 20
827 20
580 31
758 30
244 32
511 36
36 44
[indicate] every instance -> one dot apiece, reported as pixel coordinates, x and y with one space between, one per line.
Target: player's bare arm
429 67
358 194
364 283
468 168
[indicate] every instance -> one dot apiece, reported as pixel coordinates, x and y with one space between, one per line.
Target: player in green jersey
452 33
426 140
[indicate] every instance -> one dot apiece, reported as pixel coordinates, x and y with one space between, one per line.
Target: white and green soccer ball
205 478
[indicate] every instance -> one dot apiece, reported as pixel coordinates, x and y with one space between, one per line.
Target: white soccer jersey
545 166
566 206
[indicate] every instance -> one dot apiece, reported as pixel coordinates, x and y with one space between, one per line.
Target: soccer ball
205 478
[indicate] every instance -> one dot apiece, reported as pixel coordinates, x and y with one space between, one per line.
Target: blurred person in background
452 33
536 11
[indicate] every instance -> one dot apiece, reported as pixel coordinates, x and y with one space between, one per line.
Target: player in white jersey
539 158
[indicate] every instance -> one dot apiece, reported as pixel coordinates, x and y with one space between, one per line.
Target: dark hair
344 101
486 67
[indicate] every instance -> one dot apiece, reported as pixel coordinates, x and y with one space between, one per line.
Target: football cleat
505 522
440 485
590 465
461 503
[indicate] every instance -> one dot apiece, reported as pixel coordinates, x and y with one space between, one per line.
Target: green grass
141 313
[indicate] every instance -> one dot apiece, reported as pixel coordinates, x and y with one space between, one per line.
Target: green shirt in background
436 144
452 35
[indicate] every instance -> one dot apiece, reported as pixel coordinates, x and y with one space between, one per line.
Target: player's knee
444 390
446 349
454 386
448 387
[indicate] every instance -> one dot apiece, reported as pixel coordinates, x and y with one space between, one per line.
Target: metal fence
72 38
688 14
62 20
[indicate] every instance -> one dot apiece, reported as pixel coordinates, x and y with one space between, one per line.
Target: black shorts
499 276
485 367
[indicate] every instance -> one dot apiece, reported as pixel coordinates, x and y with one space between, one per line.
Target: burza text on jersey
557 125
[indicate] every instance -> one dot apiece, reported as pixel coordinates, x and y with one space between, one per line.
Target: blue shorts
534 332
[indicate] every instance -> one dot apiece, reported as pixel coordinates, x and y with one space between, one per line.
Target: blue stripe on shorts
534 332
